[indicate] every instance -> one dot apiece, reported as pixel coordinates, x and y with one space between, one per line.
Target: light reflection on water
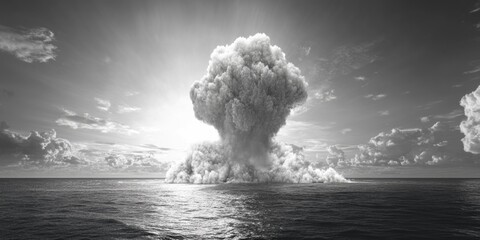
151 209
199 210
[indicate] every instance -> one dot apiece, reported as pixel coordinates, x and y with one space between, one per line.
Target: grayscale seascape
151 209
239 119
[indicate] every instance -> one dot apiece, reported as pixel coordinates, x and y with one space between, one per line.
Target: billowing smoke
247 94
471 126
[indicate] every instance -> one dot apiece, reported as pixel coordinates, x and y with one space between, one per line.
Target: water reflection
150 209
193 211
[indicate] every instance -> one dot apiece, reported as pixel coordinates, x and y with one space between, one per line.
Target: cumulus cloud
247 94
471 126
28 45
325 96
86 121
336 157
103 104
42 149
127 109
405 147
124 158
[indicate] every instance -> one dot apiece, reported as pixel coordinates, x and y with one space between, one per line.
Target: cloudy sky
101 88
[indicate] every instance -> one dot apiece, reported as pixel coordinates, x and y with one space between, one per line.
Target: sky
101 88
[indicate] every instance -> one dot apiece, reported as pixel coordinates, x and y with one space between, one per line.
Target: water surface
151 209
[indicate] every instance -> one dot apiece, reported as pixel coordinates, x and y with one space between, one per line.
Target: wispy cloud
103 104
425 119
315 145
345 131
341 61
360 78
28 45
428 105
127 109
86 121
446 118
131 93
476 7
384 113
476 69
306 50
376 97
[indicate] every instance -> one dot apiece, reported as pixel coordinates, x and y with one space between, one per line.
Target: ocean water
151 209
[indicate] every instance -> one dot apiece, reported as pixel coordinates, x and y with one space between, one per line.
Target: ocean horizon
125 208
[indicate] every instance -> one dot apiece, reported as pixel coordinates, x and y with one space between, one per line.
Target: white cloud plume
206 164
247 94
103 104
127 109
86 121
471 126
40 149
28 45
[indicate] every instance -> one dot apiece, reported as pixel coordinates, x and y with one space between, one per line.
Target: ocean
151 209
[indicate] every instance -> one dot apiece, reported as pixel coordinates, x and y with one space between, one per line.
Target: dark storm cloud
42 149
28 45
87 121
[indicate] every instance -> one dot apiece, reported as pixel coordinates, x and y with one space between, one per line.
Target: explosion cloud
247 94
